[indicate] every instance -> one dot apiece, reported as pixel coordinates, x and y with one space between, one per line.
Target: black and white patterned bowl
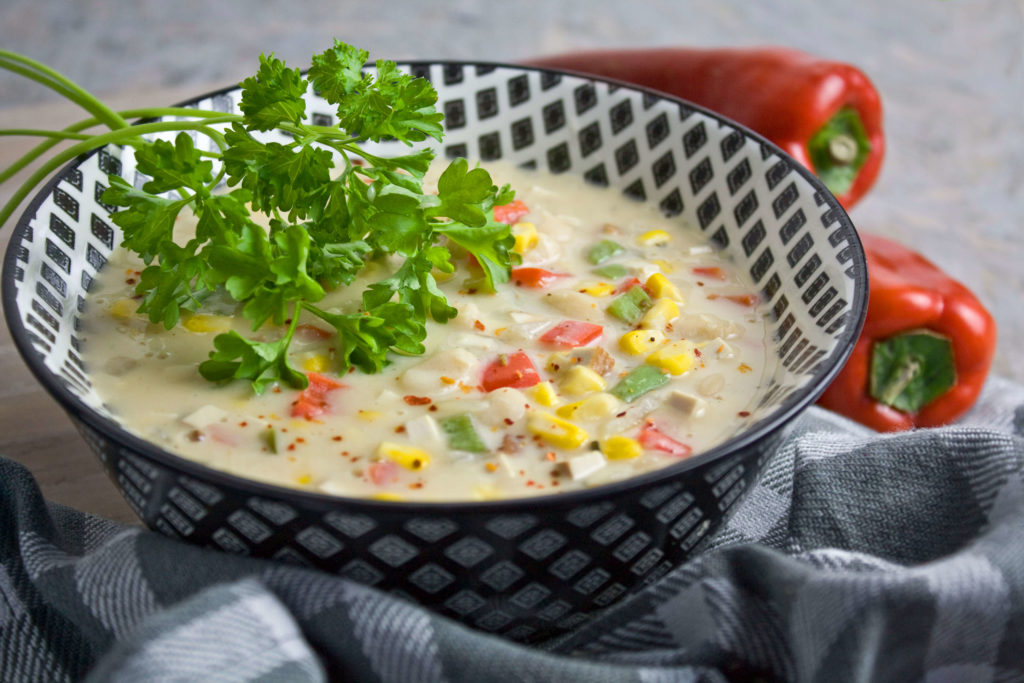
526 569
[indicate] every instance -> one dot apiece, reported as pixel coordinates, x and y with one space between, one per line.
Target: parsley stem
33 132
129 135
60 83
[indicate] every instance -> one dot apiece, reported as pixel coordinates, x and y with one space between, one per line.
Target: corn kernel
598 289
544 394
659 286
123 309
591 408
666 266
303 479
556 431
387 495
409 457
579 379
317 362
660 315
202 323
526 237
675 357
368 415
655 237
638 342
621 448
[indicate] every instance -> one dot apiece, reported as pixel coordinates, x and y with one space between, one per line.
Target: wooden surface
951 76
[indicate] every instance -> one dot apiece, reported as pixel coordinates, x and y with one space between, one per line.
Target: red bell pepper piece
628 284
925 350
713 272
510 213
651 437
382 472
827 115
569 334
312 401
534 277
510 370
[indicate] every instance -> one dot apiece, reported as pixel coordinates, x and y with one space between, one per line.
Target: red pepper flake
243 423
300 439
416 485
400 429
417 400
277 390
491 467
509 421
130 281
741 299
336 438
479 325
744 413
447 380
432 408
291 446
713 272
551 456
744 368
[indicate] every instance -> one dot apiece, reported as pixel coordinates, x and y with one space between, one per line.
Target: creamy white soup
622 344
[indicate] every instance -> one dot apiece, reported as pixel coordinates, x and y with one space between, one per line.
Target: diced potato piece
660 287
123 309
576 305
579 379
202 323
556 431
544 251
720 348
594 407
544 394
598 288
504 404
712 384
424 430
508 465
426 377
654 237
409 457
705 326
469 312
204 417
675 357
687 404
582 466
638 342
525 234
660 315
621 448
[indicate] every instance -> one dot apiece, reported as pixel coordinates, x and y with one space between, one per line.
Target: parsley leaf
274 95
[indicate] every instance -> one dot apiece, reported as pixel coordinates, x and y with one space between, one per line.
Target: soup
623 343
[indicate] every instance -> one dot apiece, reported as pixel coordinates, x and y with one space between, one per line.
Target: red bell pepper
652 438
510 370
510 213
924 352
569 334
827 115
534 277
312 402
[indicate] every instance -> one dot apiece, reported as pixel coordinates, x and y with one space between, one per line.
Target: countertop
951 76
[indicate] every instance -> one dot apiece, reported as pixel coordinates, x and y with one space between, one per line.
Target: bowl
527 569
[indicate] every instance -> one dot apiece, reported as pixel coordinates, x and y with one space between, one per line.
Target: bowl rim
739 442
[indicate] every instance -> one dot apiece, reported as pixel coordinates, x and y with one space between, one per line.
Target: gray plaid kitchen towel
857 557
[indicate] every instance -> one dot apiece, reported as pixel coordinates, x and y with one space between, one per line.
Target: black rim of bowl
764 428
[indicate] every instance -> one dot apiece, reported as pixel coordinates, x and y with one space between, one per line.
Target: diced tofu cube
687 404
424 430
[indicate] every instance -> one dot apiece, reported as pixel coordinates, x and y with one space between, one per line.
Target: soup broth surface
623 344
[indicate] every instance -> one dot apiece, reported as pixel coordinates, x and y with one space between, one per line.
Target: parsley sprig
331 206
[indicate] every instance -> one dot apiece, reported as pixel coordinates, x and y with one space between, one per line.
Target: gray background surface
951 75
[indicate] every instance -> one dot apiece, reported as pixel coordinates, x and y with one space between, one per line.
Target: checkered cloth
857 557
